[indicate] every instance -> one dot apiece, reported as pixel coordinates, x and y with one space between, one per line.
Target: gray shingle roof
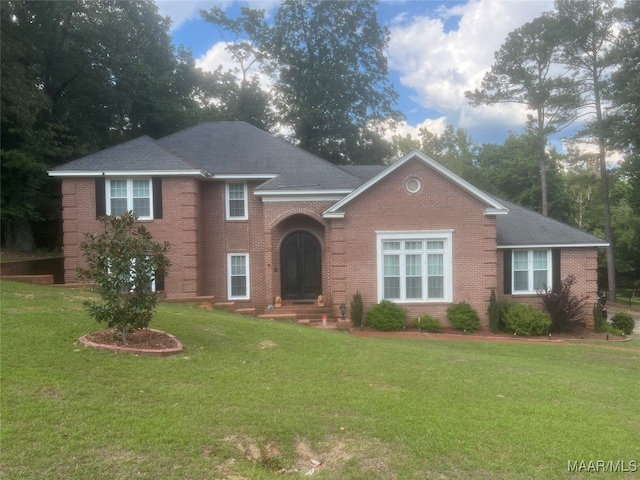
227 148
363 172
523 227
237 148
140 154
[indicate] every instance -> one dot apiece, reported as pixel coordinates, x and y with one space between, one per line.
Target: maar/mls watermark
602 466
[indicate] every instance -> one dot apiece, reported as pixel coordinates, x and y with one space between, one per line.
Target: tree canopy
80 76
329 70
523 73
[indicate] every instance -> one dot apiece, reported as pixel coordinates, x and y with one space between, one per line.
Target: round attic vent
413 185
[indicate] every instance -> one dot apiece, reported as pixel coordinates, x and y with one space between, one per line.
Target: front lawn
253 399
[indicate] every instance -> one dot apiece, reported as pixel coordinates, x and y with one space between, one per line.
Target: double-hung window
236 200
531 270
124 195
414 266
238 276
128 272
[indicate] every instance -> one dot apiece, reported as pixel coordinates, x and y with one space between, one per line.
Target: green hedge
428 324
623 321
463 317
387 316
525 320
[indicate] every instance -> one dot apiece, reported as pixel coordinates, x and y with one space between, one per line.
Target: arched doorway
301 266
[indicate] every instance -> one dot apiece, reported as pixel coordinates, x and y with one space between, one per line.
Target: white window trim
530 270
131 275
230 296
129 196
228 203
427 235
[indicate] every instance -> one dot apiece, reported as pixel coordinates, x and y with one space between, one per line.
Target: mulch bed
140 342
486 335
143 338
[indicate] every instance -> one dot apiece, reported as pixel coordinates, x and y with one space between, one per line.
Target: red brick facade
194 223
582 263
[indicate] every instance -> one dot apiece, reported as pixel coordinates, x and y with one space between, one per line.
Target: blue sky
437 50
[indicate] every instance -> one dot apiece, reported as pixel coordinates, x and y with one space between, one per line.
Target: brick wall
579 262
194 224
283 218
178 226
439 205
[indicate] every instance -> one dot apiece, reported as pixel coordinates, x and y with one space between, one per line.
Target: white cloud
436 126
441 65
218 55
613 157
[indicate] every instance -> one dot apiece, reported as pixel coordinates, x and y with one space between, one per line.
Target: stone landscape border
156 352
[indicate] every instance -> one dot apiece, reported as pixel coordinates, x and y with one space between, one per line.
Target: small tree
494 312
599 321
562 305
124 263
356 310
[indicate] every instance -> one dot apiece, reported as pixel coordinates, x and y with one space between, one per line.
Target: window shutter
556 269
506 260
101 198
160 283
157 197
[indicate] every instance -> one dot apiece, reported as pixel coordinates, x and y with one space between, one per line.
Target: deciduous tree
79 76
330 74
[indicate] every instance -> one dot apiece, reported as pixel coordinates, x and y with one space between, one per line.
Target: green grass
252 399
626 298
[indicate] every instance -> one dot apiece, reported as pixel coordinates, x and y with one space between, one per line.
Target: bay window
415 266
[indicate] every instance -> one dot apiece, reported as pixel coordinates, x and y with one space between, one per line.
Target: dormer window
236 199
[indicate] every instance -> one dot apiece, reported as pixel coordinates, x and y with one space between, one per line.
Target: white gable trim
494 207
124 173
552 245
243 176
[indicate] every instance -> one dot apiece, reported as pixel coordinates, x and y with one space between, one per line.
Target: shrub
599 321
428 324
356 310
387 316
494 312
525 320
564 308
123 261
624 322
463 317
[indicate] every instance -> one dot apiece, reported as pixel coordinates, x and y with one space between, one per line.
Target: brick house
251 217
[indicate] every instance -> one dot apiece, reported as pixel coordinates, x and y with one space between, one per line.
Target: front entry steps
302 313
305 313
209 303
